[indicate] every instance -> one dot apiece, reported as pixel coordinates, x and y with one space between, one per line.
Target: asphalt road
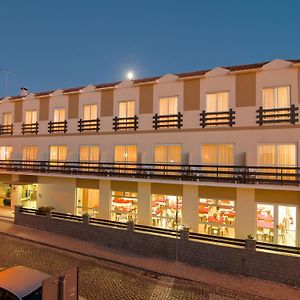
100 279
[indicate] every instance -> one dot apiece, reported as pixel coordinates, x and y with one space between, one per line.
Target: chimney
24 91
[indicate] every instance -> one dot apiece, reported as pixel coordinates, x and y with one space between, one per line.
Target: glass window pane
225 154
283 96
267 154
286 155
209 154
160 154
174 154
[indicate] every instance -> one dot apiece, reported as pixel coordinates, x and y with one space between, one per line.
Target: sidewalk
174 269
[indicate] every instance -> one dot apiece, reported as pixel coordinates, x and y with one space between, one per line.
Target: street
100 279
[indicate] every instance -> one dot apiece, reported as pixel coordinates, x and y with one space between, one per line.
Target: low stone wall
232 259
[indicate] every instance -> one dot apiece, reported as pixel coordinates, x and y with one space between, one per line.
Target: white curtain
168 106
30 116
90 112
7 118
59 115
30 152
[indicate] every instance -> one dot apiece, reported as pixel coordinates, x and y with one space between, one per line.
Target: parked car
21 283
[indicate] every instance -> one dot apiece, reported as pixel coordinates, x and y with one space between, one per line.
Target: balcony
197 173
130 123
57 127
6 129
277 115
168 121
89 125
226 118
32 128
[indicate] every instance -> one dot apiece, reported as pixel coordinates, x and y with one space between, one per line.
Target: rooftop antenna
6 73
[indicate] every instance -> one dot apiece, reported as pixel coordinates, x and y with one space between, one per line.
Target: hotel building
216 150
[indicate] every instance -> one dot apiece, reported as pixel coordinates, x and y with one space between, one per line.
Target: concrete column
15 195
144 203
104 199
190 206
245 213
57 192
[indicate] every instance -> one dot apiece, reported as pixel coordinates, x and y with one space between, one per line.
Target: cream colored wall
58 193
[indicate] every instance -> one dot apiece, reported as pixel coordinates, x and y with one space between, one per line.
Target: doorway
277 224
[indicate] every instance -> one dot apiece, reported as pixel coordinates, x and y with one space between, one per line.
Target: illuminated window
30 116
58 153
217 154
30 153
5 152
90 112
7 119
167 154
217 217
126 109
89 153
217 102
88 201
59 115
277 97
168 106
126 153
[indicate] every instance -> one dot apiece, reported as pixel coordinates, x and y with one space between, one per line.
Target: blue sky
60 44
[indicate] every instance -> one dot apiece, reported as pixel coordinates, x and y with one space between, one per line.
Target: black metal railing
125 123
32 128
208 173
89 125
168 121
277 248
217 118
277 115
6 129
54 127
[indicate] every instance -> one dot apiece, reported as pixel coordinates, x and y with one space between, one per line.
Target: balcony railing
54 127
89 125
209 173
32 128
217 118
125 123
168 121
277 115
6 129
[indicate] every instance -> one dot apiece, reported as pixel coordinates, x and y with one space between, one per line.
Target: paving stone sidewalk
241 284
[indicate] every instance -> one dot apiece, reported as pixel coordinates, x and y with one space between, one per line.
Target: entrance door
276 224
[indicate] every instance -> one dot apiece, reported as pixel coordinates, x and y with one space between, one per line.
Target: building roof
152 79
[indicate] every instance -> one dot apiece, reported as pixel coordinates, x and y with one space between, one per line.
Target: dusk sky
60 44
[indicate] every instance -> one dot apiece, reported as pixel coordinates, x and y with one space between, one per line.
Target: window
277 97
217 154
90 112
126 153
5 152
217 217
217 102
59 115
30 152
168 106
7 119
282 155
167 154
89 153
30 116
87 201
126 109
58 153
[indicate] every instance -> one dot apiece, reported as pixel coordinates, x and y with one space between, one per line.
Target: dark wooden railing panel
6 129
89 125
32 128
277 115
208 173
217 118
54 127
125 123
168 121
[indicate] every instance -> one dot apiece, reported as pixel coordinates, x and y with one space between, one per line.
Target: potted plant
44 210
6 200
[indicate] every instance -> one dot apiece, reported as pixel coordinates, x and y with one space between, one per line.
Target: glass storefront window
166 211
124 206
29 196
217 217
88 201
265 223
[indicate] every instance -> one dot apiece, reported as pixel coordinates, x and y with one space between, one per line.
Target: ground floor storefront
270 215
